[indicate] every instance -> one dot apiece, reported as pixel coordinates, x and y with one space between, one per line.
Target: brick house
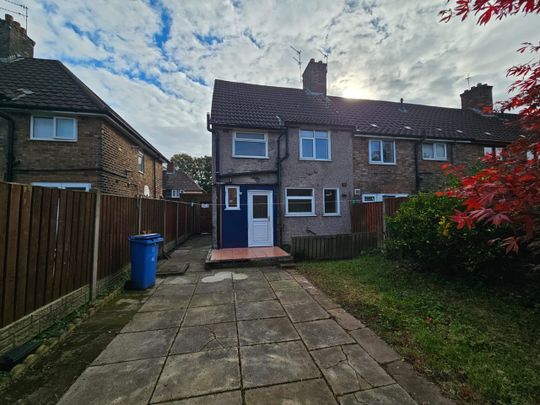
55 131
177 185
289 162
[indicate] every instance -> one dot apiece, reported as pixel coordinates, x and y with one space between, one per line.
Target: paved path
245 336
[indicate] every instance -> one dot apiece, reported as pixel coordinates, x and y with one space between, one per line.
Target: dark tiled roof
249 105
46 84
178 180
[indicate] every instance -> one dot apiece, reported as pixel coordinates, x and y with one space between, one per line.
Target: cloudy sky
155 61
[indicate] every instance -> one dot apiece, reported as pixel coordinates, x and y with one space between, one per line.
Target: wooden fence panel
341 246
171 223
152 218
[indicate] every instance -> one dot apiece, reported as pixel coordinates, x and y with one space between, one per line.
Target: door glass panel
260 207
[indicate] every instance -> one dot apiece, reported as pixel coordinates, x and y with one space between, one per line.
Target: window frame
338 203
382 162
175 193
300 214
379 197
54 137
63 185
494 151
301 149
434 148
227 206
140 154
265 141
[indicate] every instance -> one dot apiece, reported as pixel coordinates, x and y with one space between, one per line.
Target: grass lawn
479 341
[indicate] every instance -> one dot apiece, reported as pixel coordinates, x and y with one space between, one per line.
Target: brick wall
3 146
13 39
400 178
120 173
57 161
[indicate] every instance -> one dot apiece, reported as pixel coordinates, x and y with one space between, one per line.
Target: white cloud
378 50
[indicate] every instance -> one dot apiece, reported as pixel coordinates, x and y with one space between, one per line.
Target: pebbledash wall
401 177
101 156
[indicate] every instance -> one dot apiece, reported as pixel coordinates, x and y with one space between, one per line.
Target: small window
492 151
299 202
250 145
434 151
331 201
382 152
369 198
232 198
175 193
140 162
65 186
314 145
54 129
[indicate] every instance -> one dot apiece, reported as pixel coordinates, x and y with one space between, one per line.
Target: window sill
250 157
435 160
231 209
382 164
331 215
314 160
53 140
141 172
299 215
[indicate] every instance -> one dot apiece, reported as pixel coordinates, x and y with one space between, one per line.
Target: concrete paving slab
154 320
184 279
324 333
193 374
251 284
284 285
122 383
276 363
346 320
349 368
206 337
208 299
204 288
389 395
106 321
209 315
422 390
259 310
266 331
136 346
375 346
171 290
223 398
311 392
325 301
165 303
293 296
259 294
305 311
275 276
124 304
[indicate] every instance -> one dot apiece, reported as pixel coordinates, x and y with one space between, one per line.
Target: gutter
8 175
216 197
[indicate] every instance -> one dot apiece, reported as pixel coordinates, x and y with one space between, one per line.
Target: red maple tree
506 192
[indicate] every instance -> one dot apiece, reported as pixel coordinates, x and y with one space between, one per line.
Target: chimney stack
479 97
314 77
14 41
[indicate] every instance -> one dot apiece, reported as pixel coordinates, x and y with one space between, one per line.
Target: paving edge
50 343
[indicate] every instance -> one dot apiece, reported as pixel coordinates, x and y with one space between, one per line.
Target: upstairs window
250 145
299 202
492 151
331 201
382 152
175 193
53 129
314 145
232 198
434 151
140 162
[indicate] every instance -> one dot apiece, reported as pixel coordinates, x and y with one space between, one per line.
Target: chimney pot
9 18
16 42
314 77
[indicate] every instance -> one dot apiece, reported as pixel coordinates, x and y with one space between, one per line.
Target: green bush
422 232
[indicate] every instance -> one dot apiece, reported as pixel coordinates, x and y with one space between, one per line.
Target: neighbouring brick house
55 131
289 162
177 185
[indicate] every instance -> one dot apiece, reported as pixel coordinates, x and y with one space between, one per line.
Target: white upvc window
250 145
434 151
299 202
382 152
315 145
175 193
331 203
140 162
232 197
367 198
47 128
492 151
65 186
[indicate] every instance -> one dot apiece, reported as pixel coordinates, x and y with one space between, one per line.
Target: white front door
260 218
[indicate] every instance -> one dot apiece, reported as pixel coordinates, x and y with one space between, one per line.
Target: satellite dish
146 191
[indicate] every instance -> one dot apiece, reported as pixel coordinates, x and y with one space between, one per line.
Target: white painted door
260 218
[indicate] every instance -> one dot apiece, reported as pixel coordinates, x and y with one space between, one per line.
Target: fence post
383 219
164 204
95 253
176 225
139 214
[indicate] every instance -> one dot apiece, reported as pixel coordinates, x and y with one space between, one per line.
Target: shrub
422 232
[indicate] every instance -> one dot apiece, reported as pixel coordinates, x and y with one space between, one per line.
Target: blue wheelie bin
144 252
